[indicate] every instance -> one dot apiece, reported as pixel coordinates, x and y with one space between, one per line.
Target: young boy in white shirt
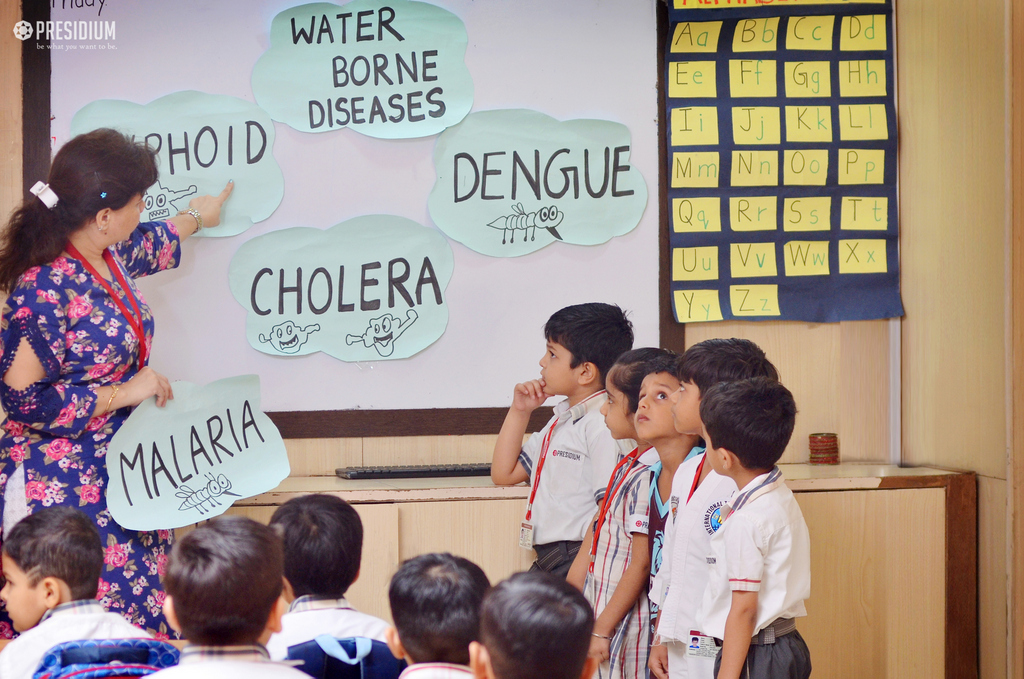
534 626
224 583
435 603
681 650
760 559
323 547
52 561
569 461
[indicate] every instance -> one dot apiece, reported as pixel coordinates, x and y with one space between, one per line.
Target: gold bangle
110 401
194 213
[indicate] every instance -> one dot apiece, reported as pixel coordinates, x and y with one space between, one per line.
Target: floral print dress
52 450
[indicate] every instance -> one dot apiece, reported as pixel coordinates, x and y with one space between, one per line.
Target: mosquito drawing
208 494
527 222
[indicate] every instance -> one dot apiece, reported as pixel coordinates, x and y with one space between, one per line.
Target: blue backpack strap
95 658
328 658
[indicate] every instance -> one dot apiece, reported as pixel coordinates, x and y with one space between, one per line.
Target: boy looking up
435 603
569 461
698 494
323 547
533 626
760 559
224 582
52 560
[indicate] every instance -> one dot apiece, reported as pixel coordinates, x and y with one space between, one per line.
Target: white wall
569 59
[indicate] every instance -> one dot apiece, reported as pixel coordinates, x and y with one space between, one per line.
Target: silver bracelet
195 215
600 636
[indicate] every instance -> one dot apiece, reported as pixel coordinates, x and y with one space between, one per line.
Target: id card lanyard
628 462
526 528
134 319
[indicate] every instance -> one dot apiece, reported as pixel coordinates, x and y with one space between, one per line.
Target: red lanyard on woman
608 493
134 320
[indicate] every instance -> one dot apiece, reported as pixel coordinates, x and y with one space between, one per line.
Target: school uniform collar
82 607
758 486
311 602
246 653
574 414
432 666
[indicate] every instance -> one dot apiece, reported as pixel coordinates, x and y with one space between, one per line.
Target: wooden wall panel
952 108
320 457
428 449
10 111
992 578
838 373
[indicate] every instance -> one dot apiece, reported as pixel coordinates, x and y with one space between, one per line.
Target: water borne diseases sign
370 288
782 160
190 460
510 182
202 141
390 70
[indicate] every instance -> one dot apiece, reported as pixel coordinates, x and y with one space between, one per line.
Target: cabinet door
483 531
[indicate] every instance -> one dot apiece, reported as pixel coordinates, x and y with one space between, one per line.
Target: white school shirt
308 618
436 670
763 547
680 583
72 621
581 457
228 662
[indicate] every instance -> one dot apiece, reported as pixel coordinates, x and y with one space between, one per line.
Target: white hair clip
43 191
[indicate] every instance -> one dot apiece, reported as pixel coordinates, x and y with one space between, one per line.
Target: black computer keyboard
415 471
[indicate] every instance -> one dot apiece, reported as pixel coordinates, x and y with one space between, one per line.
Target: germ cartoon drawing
287 337
527 222
160 200
383 331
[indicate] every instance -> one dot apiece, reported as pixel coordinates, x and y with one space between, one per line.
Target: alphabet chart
782 160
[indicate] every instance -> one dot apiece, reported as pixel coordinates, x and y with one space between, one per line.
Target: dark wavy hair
96 170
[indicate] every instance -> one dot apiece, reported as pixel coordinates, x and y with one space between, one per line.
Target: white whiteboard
568 59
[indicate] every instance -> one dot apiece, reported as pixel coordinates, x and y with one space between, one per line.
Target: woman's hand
209 206
147 382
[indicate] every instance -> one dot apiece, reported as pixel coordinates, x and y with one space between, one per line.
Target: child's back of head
58 542
435 604
224 580
753 419
537 626
595 333
724 360
323 544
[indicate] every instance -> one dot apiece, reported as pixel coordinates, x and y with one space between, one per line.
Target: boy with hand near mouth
569 461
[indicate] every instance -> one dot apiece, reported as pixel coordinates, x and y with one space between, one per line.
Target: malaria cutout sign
510 182
190 460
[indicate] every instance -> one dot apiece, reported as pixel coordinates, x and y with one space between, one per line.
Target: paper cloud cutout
510 182
387 70
371 288
202 141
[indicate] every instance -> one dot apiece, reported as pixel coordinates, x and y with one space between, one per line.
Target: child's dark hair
323 544
435 604
95 170
595 333
58 542
224 579
631 368
536 626
752 418
723 360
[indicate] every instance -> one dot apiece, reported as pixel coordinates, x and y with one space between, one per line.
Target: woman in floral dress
74 342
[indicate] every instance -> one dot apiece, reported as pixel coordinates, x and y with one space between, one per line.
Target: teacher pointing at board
75 336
